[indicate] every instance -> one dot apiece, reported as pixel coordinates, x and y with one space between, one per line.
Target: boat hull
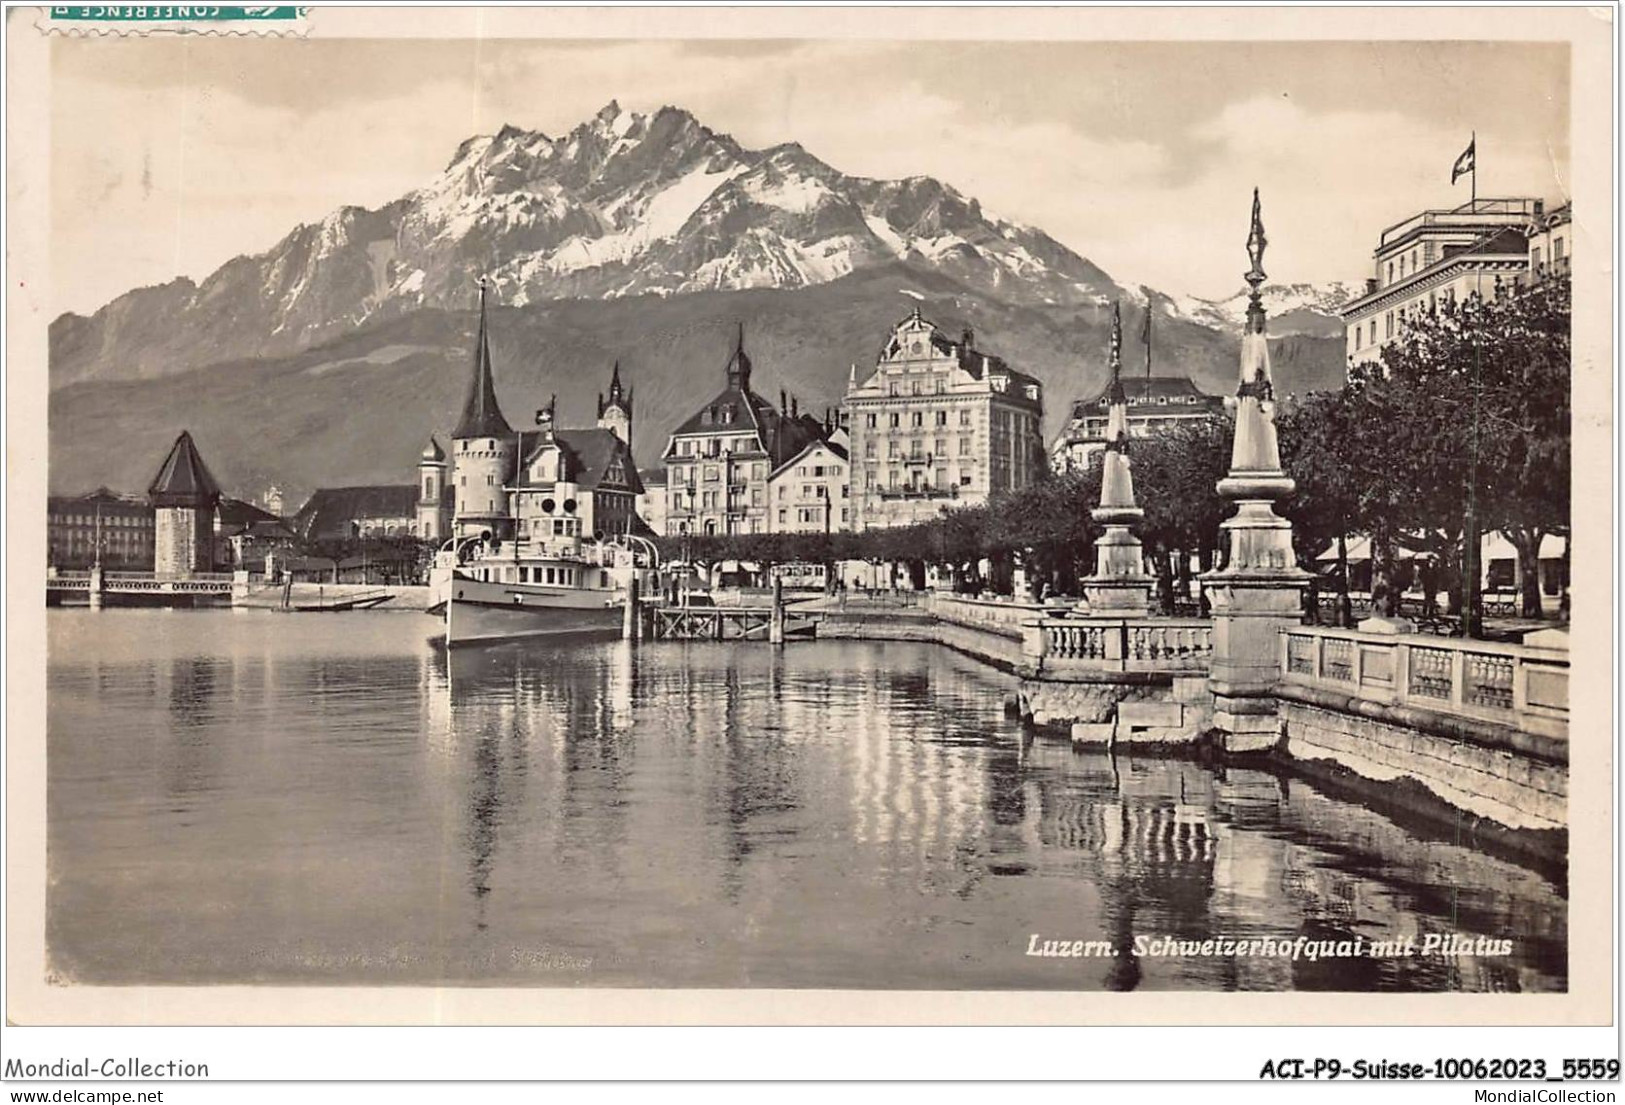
477 612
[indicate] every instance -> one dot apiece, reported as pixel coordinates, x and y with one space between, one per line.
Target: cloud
172 158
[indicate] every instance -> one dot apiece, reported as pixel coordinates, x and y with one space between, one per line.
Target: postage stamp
174 19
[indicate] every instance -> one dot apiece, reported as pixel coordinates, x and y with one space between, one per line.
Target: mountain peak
624 204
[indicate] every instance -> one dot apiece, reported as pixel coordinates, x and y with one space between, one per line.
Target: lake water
326 798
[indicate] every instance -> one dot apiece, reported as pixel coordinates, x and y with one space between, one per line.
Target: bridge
96 587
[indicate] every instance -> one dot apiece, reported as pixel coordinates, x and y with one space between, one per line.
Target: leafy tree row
1461 427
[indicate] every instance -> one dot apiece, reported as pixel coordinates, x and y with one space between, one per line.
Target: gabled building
812 491
341 513
245 533
1154 404
575 483
718 461
938 423
532 484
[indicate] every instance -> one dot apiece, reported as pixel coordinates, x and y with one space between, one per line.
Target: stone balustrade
1006 617
1525 687
1057 646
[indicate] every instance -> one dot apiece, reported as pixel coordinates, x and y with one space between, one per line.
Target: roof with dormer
1150 393
968 358
834 450
589 457
183 479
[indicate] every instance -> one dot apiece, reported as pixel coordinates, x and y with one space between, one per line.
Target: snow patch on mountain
1280 300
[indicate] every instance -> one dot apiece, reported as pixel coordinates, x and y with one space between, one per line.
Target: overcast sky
172 156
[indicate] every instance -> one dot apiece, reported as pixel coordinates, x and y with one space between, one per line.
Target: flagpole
1148 349
1474 146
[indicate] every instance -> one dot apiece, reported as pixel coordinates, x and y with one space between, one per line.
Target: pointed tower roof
183 479
739 364
481 415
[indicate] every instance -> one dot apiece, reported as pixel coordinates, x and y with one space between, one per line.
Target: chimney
967 338
793 406
783 404
1370 284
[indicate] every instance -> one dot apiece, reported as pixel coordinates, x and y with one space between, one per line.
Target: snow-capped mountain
624 205
1292 308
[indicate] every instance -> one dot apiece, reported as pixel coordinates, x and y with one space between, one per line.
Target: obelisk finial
1255 276
1114 358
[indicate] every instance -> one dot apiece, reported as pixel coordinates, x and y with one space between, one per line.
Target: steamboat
488 589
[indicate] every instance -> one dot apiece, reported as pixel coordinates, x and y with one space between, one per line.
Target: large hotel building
1488 246
938 423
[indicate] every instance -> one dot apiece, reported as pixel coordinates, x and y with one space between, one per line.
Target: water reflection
286 804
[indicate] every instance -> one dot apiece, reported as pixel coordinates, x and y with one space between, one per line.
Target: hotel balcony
891 493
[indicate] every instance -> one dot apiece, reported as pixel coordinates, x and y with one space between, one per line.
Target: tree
1489 384
1176 475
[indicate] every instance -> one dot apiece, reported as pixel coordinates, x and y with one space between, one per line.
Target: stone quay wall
1507 765
1484 769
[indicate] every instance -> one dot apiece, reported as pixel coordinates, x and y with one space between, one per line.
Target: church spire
615 409
481 415
739 364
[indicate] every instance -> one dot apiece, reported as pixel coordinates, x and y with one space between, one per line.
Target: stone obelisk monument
1258 592
1120 587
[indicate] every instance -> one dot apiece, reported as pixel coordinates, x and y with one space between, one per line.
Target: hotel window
869 421
1557 249
1390 272
964 446
941 446
896 420
919 419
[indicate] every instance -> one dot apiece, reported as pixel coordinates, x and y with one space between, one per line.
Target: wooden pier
774 623
725 623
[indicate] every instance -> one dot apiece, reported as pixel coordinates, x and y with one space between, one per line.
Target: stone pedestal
96 585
